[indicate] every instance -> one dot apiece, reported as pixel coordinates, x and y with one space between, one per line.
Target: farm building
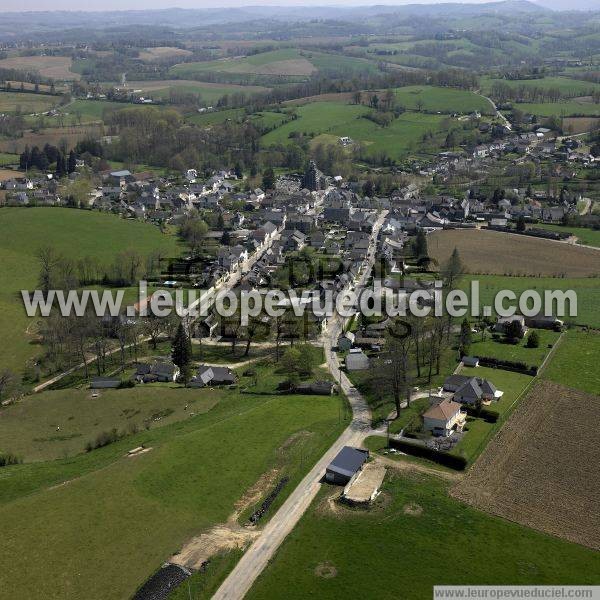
211 375
357 360
103 383
346 465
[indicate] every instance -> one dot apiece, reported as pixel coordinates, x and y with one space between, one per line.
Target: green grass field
24 230
8 159
561 109
585 235
214 118
441 99
575 363
92 110
29 428
518 352
26 103
388 553
336 119
99 524
587 290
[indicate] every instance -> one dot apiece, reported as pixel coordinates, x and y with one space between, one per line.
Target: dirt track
541 470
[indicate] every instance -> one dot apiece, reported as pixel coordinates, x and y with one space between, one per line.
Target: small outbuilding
357 360
346 465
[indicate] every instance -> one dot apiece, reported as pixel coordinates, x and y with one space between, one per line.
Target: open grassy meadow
441 99
584 235
587 290
25 102
567 108
98 525
515 352
327 121
567 86
414 537
575 363
8 159
91 110
76 233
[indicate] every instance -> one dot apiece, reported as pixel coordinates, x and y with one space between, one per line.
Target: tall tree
181 351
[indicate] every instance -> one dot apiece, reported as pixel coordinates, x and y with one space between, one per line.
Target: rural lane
262 550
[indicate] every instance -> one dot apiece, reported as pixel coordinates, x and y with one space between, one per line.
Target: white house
443 418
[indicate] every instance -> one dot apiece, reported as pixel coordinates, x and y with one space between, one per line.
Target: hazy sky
88 5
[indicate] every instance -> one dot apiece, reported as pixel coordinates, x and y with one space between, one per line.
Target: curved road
258 555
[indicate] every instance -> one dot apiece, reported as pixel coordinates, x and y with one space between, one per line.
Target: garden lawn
103 533
386 553
76 233
478 432
515 352
575 363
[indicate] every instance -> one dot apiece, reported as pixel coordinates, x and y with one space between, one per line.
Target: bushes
489 416
443 458
508 365
533 341
8 458
104 439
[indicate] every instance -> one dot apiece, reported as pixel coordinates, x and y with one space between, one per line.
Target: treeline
503 92
61 272
48 155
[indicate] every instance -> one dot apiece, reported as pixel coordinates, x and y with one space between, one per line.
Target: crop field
574 125
412 529
575 363
441 99
196 475
25 102
51 135
540 470
56 67
160 52
9 174
587 290
24 230
336 119
491 252
276 62
209 92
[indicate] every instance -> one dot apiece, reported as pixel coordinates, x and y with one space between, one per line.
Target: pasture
569 108
575 363
441 99
412 529
7 159
496 253
56 67
59 423
587 290
91 111
547 443
26 102
585 235
24 230
336 119
197 474
567 86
